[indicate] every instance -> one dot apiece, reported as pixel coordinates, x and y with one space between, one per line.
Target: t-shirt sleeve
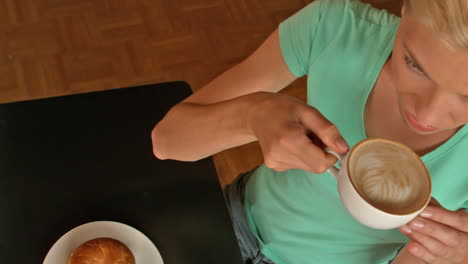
296 35
305 33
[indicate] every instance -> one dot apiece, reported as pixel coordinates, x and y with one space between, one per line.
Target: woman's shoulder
357 10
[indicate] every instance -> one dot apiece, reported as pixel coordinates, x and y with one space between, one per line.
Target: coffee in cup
382 183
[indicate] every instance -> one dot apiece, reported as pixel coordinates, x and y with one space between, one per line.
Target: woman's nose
432 109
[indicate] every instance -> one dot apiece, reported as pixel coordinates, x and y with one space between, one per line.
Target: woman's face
430 79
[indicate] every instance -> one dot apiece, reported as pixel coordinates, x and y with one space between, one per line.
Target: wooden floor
59 47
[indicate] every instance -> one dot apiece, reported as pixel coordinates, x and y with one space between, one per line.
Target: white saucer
142 248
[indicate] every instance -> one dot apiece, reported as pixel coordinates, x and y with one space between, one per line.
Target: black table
70 160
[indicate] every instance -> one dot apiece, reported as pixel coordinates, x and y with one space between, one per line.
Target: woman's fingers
293 135
314 121
421 252
294 149
315 158
312 158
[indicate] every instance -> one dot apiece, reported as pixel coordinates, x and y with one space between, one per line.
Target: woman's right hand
292 135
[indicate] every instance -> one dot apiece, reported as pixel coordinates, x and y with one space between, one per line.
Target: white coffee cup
383 184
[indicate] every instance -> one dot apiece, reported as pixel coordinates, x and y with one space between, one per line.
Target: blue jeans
248 243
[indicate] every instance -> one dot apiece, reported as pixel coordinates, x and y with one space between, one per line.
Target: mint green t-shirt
298 216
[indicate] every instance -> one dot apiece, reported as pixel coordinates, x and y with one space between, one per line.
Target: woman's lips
414 123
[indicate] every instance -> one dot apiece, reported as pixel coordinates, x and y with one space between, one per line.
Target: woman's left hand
438 235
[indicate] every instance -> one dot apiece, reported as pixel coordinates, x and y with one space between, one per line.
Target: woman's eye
412 65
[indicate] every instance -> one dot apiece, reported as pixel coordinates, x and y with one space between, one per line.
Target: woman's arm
216 117
241 106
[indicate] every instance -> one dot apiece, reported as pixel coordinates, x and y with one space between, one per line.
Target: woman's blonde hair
449 18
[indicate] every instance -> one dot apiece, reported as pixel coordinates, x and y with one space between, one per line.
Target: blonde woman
370 74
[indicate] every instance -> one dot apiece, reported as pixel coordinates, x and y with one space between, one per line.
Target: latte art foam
388 176
381 183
